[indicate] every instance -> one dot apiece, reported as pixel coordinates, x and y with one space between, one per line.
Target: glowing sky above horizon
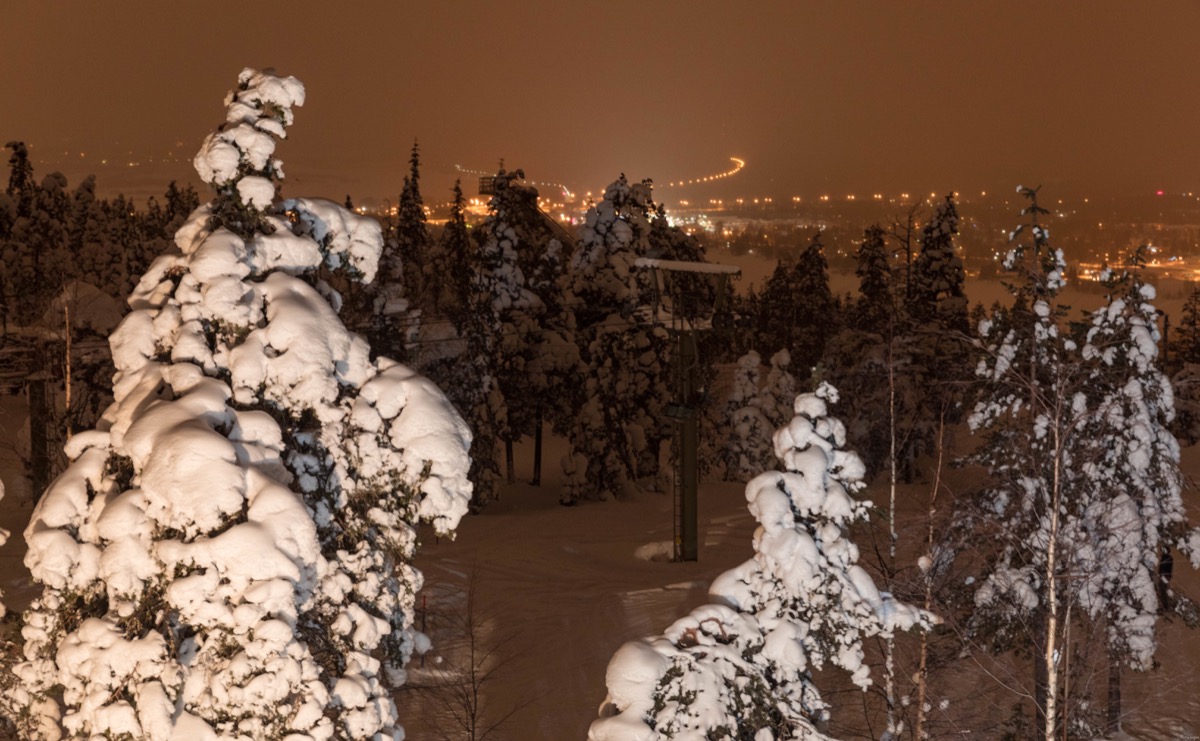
815 96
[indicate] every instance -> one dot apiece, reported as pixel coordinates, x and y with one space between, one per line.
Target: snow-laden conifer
1133 514
778 393
742 666
228 555
747 448
625 360
1032 401
515 330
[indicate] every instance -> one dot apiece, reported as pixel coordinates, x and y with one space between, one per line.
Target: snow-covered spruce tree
1133 514
747 448
625 361
536 373
228 555
515 324
778 395
1030 408
741 667
602 276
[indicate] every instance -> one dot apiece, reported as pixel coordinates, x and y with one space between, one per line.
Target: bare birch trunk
923 665
1049 657
890 646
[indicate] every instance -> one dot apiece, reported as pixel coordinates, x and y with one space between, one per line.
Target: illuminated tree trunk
1050 657
923 665
890 663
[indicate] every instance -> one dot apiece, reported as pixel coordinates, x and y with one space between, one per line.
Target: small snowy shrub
228 553
741 667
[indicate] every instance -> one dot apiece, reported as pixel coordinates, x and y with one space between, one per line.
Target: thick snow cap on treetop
258 112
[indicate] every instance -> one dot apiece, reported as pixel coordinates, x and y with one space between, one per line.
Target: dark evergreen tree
938 295
98 261
448 272
21 185
37 262
125 243
774 308
875 310
815 317
180 202
411 235
1187 337
796 309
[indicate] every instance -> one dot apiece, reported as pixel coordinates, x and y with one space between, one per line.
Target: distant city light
738 165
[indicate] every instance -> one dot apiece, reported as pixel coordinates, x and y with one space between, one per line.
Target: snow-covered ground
567 586
558 590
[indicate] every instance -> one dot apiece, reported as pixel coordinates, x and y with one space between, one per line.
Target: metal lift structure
668 295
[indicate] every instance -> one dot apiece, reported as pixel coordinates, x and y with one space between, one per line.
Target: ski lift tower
669 309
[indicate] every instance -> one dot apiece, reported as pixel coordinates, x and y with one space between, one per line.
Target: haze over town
635 371
817 98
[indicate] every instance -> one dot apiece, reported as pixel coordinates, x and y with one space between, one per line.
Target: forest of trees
260 343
